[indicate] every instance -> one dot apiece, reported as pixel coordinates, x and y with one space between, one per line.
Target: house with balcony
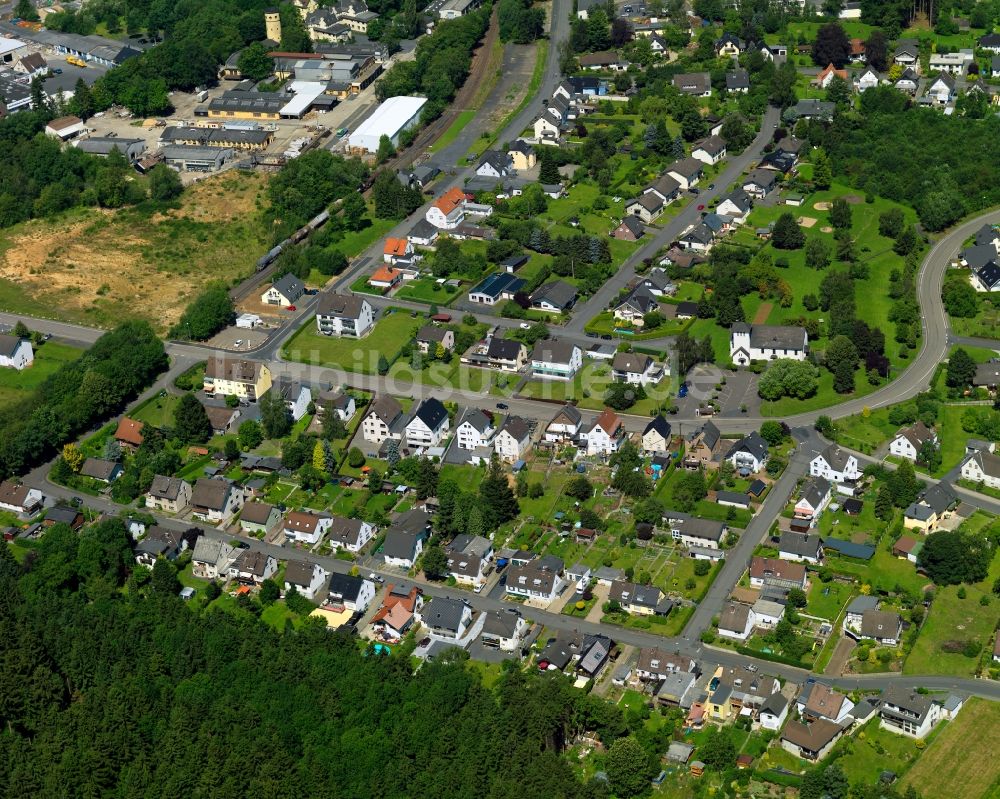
636 369
605 435
306 527
837 466
428 425
540 579
343 315
247 380
216 500
305 577
168 494
555 359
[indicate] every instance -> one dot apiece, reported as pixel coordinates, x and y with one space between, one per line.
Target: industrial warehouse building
390 119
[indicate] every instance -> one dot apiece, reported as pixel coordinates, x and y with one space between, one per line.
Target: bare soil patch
826 229
763 312
100 267
853 199
822 206
807 221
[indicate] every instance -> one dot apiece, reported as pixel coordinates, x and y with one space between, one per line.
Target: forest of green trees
123 693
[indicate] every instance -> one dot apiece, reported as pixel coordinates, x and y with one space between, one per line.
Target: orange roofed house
828 73
396 615
386 277
448 211
129 432
605 435
397 250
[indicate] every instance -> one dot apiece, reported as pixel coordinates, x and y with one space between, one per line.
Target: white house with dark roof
555 297
494 164
737 81
687 172
540 578
306 527
286 290
737 621
909 441
19 498
749 453
766 342
513 439
216 500
800 547
760 182
982 467
475 430
709 151
904 711
385 419
15 353
349 592
697 84
307 578
656 436
555 359
694 532
635 369
343 315
835 465
429 424
210 558
253 566
565 425
736 206
813 499
349 534
504 630
469 559
941 90
641 600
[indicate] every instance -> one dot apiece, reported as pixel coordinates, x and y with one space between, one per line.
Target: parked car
502 406
291 308
376 578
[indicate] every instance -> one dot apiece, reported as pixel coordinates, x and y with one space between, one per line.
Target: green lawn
984 324
872 750
456 127
390 333
605 322
158 412
826 600
49 357
954 619
427 289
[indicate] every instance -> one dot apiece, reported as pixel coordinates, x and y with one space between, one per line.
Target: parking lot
239 339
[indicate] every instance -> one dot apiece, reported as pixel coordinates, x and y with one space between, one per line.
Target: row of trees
81 393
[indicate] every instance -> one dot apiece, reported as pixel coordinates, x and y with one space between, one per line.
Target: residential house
687 172
827 74
820 701
737 621
211 558
259 517
813 499
247 380
504 354
448 211
168 494
635 369
907 54
555 359
513 439
548 127
605 435
909 441
494 164
349 534
60 514
216 500
286 290
396 250
343 315
932 507
504 630
222 418
989 42
881 626
776 573
812 740
766 342
32 64
129 433
429 424
306 578
698 237
729 45
253 566
384 420
703 447
583 7
398 610
906 712
15 353
642 600
760 182
306 526
655 664
735 206
987 277
656 437
386 277
942 89
811 109
749 454
402 546
654 198
19 498
497 287
800 547
470 558
541 578
835 465
767 613
709 151
951 63
774 712
101 469
297 396
555 297
908 81
475 430
594 654
697 84
987 375
694 532
159 543
565 425
867 79
349 592
522 155
907 548
737 81
430 337
629 229
634 306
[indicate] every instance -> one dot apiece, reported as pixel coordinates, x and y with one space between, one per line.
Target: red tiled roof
129 431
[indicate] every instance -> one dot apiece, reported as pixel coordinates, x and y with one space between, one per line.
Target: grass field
354 355
48 358
456 127
953 619
159 411
427 289
959 750
101 267
984 324
872 750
